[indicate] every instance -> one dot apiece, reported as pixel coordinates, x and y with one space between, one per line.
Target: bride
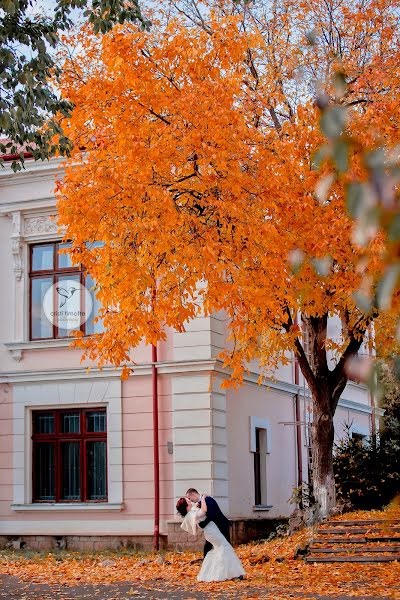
220 563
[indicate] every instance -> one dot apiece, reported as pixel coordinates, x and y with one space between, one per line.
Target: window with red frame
69 455
49 266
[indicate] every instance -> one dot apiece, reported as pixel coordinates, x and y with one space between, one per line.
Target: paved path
12 588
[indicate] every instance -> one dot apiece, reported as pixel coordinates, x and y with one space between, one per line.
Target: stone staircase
358 541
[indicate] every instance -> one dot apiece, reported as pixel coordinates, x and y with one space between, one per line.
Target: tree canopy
198 165
202 163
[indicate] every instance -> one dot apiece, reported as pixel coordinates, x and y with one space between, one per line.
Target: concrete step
348 530
332 523
356 540
363 549
353 559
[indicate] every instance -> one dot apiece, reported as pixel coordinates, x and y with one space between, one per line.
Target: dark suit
215 514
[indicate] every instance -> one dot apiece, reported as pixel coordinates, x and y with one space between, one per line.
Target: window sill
53 507
16 348
262 507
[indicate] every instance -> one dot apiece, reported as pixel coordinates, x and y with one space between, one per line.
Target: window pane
64 260
41 327
70 423
68 299
42 258
257 440
96 470
257 479
98 326
44 472
43 423
257 471
70 471
96 421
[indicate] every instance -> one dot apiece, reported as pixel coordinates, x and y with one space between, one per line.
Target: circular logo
67 304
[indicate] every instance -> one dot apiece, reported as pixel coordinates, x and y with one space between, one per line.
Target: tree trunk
322 453
326 387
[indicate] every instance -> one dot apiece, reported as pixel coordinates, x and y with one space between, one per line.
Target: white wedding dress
220 563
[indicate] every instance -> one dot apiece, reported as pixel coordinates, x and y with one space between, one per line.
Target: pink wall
138 447
137 456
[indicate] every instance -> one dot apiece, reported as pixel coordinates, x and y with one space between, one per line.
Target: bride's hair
182 507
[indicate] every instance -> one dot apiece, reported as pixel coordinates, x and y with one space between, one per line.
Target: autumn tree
195 162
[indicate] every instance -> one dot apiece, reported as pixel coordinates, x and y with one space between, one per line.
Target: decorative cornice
359 407
57 375
47 203
33 171
143 369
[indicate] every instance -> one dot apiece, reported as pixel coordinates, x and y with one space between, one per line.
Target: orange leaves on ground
280 576
389 513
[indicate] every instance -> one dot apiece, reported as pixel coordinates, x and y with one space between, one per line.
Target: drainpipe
370 392
298 424
156 534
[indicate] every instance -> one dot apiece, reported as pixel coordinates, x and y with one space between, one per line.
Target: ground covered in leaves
272 572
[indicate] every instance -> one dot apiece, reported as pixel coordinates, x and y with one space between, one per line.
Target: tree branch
338 377
301 355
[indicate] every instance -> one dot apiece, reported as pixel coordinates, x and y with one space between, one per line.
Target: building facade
76 447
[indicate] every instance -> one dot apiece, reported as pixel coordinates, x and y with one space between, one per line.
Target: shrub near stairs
367 474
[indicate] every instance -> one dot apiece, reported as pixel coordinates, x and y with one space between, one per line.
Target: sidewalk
12 588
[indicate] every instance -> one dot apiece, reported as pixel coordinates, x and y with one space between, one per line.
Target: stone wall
247 530
180 540
80 542
242 531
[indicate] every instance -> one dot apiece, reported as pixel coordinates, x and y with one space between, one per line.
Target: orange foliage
278 578
193 162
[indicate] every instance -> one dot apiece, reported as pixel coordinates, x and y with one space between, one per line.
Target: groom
214 513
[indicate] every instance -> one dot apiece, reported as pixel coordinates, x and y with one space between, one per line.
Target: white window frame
79 393
263 425
260 423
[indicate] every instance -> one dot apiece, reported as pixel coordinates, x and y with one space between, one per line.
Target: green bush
367 474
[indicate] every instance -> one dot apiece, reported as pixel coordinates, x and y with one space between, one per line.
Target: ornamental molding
17 245
40 225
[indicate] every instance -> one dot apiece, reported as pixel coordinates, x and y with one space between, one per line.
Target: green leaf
394 229
333 121
363 302
322 266
319 156
340 155
354 199
296 259
387 286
